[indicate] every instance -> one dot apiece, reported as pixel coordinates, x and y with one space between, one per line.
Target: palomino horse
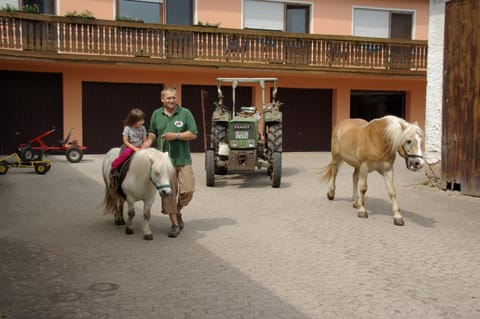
150 170
372 146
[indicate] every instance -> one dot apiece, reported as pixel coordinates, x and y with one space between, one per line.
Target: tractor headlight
251 143
234 144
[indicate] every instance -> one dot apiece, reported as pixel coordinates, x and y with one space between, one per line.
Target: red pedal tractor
35 148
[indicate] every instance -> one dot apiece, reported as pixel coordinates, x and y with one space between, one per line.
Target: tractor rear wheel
275 133
29 154
219 135
210 167
74 154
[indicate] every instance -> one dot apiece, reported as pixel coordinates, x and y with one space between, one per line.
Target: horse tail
110 200
327 172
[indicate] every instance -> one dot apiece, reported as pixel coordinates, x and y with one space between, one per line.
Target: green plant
87 14
126 18
31 8
208 24
8 8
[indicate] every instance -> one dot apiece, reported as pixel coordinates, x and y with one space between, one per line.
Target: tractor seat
66 139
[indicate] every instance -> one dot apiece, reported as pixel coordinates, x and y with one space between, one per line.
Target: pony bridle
410 157
157 186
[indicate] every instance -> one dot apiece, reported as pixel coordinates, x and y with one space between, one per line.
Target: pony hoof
148 237
363 214
330 196
398 221
129 231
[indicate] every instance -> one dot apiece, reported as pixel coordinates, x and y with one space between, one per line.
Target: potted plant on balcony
84 15
31 8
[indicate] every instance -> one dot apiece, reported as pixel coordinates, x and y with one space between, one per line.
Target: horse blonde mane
397 131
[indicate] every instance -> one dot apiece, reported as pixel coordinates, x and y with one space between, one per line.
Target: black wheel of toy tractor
41 168
3 168
276 173
210 167
74 154
275 133
29 154
219 135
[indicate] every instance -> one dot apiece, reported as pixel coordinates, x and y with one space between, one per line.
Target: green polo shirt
182 120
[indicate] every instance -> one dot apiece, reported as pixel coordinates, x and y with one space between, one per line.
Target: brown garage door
307 119
31 105
105 106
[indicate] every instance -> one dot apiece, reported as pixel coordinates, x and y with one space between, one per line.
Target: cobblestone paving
247 250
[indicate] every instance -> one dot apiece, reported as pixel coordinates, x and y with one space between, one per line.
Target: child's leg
122 158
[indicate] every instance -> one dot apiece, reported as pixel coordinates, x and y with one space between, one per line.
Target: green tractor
245 140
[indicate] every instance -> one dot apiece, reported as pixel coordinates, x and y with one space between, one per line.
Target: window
382 23
180 12
45 6
297 18
275 15
158 11
146 10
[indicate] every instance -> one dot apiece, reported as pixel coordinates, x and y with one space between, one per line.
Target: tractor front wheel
74 154
276 172
3 168
210 167
41 168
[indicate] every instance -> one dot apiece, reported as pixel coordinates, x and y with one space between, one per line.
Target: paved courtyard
247 250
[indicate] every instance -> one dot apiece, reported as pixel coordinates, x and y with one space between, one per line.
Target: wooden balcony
35 36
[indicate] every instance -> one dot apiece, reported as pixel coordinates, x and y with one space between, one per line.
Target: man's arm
184 136
149 141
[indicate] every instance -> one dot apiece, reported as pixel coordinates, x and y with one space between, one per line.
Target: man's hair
168 89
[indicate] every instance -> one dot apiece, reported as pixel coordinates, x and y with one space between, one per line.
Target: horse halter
158 187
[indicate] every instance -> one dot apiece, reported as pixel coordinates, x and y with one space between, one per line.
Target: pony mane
397 131
144 158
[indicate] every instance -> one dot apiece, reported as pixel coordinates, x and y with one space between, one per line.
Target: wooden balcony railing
44 36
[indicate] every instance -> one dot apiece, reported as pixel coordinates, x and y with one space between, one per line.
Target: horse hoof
363 214
330 196
148 237
398 221
129 231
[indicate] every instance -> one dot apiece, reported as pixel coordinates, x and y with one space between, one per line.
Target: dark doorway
307 119
192 99
105 106
31 105
374 104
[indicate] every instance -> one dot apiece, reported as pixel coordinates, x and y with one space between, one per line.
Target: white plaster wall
433 114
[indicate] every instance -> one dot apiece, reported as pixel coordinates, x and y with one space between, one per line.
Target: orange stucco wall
101 9
328 17
335 17
75 74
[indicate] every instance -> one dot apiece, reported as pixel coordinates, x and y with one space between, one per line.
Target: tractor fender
221 116
272 117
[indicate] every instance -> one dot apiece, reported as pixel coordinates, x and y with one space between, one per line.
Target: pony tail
327 172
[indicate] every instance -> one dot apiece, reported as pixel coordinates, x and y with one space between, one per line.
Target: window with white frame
276 15
144 10
157 11
379 23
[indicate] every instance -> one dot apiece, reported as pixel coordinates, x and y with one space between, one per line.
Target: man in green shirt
173 127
